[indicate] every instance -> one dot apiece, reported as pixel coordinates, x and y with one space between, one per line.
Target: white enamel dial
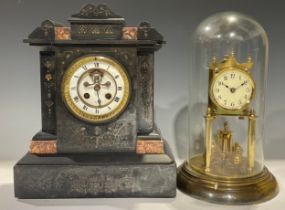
96 88
232 89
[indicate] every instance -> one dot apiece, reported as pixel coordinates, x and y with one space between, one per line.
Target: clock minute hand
97 89
242 84
99 100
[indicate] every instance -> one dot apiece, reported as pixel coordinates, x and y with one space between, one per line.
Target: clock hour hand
225 85
87 84
106 84
232 90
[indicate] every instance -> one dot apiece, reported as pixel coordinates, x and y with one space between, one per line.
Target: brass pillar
208 138
251 139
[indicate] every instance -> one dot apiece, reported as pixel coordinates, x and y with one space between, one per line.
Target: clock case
225 162
124 157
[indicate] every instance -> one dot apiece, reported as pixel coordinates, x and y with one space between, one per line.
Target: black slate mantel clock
98 136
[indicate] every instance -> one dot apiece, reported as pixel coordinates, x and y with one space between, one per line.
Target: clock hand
232 90
97 89
87 84
242 84
107 84
225 85
99 100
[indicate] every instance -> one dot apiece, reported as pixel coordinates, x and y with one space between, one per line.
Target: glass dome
239 40
227 93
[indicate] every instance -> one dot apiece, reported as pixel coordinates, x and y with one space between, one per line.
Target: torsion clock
226 113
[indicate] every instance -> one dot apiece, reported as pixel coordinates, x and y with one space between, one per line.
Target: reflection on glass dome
226 108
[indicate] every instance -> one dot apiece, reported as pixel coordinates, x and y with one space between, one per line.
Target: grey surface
181 202
176 20
88 176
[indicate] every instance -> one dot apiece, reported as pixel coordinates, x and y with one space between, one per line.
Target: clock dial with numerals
96 88
232 89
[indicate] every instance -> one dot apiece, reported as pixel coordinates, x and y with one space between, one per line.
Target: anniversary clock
226 110
98 136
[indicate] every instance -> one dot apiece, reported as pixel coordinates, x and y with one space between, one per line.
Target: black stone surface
91 176
48 91
117 135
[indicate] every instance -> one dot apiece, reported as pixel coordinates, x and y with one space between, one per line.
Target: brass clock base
256 189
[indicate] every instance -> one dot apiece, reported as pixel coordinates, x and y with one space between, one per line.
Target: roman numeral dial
96 88
232 89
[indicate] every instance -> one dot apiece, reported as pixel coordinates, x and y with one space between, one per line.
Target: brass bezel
83 115
216 76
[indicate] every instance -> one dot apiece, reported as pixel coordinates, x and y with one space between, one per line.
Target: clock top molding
96 25
100 12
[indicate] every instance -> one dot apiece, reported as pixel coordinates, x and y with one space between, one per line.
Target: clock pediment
101 11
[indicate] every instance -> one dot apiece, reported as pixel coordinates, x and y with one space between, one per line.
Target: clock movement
226 113
98 136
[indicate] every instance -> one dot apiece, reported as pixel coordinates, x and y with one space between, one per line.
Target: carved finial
214 64
251 112
48 24
100 11
230 62
209 111
144 25
249 64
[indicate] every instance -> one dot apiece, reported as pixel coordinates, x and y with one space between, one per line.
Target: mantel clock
98 136
226 114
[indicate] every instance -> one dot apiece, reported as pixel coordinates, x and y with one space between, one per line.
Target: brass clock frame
96 119
196 176
224 110
229 64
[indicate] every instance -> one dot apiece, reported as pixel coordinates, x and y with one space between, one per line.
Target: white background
176 20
